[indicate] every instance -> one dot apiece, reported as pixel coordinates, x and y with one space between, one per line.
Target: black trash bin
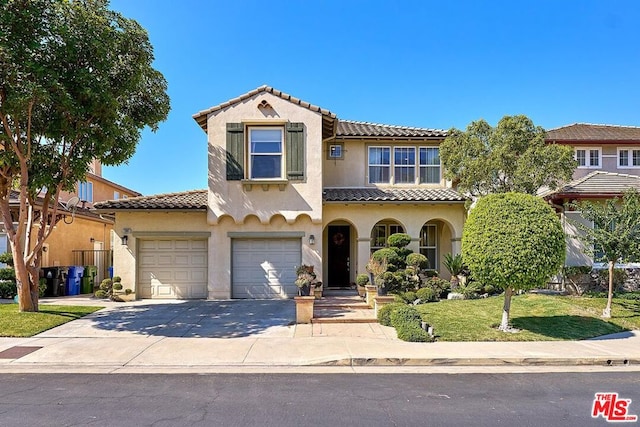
52 275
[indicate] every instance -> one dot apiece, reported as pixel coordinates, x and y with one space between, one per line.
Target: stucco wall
352 170
66 238
609 161
150 224
220 266
362 218
294 198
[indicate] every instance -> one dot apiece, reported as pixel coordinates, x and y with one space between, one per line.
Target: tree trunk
504 325
606 313
23 283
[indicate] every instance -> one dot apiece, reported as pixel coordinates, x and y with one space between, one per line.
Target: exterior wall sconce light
91 239
125 237
312 239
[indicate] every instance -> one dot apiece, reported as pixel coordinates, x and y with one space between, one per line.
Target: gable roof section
188 200
597 184
353 129
328 119
377 195
586 132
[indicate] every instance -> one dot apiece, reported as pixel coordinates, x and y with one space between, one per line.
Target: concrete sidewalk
147 336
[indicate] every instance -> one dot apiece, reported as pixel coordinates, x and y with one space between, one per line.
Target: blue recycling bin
110 269
74 279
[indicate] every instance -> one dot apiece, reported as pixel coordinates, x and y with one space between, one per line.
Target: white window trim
588 157
390 165
340 147
85 194
439 166
629 150
282 152
416 167
435 247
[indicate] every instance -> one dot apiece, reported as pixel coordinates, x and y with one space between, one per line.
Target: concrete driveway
192 319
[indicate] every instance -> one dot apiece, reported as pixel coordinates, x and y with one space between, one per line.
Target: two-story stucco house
608 159
288 184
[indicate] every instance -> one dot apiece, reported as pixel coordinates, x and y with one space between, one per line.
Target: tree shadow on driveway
567 327
206 319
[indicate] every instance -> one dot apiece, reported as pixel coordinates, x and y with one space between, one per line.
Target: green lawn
16 324
539 317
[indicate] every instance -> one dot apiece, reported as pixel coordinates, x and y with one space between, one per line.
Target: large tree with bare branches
76 83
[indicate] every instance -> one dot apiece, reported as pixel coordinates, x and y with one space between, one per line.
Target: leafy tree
513 241
615 232
513 156
76 83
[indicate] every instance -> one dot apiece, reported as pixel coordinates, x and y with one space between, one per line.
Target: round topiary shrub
409 297
117 286
417 261
116 279
513 241
387 255
399 240
362 279
100 294
106 285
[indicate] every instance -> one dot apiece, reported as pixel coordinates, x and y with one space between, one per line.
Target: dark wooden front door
339 253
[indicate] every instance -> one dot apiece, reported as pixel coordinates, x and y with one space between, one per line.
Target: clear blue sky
437 64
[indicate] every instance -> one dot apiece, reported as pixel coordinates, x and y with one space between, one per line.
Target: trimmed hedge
406 320
8 289
399 240
426 295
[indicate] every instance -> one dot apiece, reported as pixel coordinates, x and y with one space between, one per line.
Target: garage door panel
264 268
173 269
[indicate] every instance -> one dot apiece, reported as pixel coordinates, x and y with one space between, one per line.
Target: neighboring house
82 237
288 184
608 160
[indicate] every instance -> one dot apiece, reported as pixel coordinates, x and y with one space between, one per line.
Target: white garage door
175 269
265 268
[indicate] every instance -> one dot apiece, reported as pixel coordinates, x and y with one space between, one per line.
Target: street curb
507 361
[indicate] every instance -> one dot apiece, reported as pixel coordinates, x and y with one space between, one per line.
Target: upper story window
85 191
407 167
116 195
429 165
628 158
265 153
404 159
379 165
588 157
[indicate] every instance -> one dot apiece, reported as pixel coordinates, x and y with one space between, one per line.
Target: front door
339 253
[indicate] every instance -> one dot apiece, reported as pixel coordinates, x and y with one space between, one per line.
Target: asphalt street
558 399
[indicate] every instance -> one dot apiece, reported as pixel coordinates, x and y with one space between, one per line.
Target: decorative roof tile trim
201 116
377 195
188 200
586 132
351 128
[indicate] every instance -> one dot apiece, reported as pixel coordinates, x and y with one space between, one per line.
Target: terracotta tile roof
598 183
591 132
188 200
391 195
201 116
348 128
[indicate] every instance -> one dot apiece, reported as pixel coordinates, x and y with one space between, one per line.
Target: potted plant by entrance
362 280
305 278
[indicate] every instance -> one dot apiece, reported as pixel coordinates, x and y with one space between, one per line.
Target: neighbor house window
265 152
85 191
588 157
429 165
335 151
116 195
379 165
381 232
404 160
429 244
628 158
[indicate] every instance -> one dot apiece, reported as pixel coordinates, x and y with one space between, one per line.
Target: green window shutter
235 151
295 151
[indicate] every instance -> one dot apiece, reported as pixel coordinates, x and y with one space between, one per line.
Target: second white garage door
265 268
175 269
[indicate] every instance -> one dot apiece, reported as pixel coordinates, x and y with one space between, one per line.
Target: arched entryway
436 241
381 232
